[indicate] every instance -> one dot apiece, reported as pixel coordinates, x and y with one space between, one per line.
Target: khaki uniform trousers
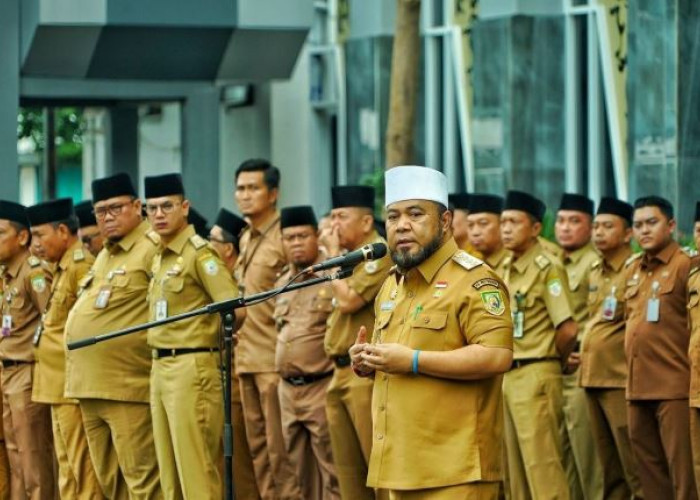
581 463
349 411
261 407
533 413
305 430
4 463
188 420
467 491
28 438
244 485
608 412
695 444
120 438
76 474
660 437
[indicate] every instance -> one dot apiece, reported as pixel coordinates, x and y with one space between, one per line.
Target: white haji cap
414 183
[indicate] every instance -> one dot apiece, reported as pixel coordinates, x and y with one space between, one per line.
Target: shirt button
401 322
426 321
380 436
410 294
381 408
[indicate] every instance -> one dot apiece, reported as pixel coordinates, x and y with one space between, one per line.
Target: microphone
351 259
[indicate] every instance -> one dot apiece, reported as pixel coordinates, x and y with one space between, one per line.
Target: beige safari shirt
50 369
187 275
694 320
259 264
428 431
26 284
113 296
366 280
603 362
538 287
578 267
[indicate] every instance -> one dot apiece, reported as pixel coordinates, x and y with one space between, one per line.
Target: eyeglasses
113 210
166 207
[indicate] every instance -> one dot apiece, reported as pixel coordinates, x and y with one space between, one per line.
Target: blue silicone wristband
414 366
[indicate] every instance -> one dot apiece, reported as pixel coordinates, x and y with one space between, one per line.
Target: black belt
341 361
165 353
307 379
519 363
14 362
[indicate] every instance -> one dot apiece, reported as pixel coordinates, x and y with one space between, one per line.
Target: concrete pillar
122 142
9 100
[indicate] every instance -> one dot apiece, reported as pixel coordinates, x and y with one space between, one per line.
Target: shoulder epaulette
542 261
197 241
33 261
693 270
596 264
465 260
690 252
632 258
78 255
153 236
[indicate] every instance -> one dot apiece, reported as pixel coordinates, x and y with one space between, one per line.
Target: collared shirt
259 264
603 362
112 296
187 275
538 287
578 267
499 260
694 320
50 369
551 247
657 352
301 317
429 431
366 280
26 283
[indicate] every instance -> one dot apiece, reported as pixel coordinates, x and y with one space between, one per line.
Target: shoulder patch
632 258
486 282
33 261
38 282
209 264
78 255
153 236
542 261
197 241
465 260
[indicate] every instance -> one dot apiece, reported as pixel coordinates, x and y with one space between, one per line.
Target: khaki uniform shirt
578 267
499 260
301 317
112 296
538 287
260 262
26 283
603 362
366 280
657 352
187 275
429 431
551 247
694 320
50 369
469 248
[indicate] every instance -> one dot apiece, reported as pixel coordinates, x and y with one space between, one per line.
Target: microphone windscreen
378 250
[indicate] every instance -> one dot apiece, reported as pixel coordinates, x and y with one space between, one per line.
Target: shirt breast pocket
428 331
17 302
173 286
381 324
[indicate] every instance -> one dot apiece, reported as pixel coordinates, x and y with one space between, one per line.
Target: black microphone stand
224 308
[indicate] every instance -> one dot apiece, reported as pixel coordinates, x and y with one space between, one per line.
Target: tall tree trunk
404 84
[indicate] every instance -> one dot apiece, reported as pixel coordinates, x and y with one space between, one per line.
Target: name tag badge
161 309
518 321
653 310
609 306
102 300
37 335
6 325
387 306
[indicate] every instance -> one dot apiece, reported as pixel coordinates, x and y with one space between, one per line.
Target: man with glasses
186 402
111 379
89 232
305 369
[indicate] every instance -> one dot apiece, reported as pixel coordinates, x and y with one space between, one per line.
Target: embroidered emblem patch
486 282
493 302
554 287
39 283
210 266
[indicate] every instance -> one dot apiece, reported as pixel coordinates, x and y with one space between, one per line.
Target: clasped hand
389 358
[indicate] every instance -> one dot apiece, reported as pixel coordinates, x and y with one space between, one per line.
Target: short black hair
71 223
655 201
271 174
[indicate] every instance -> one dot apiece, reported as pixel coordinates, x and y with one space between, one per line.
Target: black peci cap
458 201
616 207
480 202
298 216
578 202
111 187
50 211
14 212
83 211
230 222
697 211
519 200
353 196
199 223
163 185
